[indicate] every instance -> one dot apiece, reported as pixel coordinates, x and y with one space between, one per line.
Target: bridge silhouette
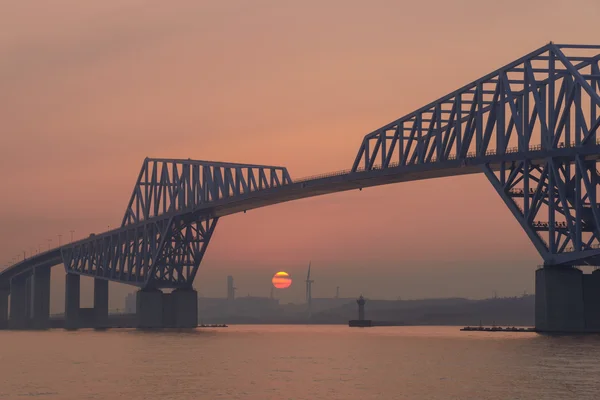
530 127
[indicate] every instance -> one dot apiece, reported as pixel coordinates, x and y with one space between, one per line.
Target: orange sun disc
282 280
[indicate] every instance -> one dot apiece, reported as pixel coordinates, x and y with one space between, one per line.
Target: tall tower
361 307
230 289
309 283
337 292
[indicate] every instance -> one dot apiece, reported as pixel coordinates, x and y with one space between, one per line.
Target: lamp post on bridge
59 236
71 235
49 241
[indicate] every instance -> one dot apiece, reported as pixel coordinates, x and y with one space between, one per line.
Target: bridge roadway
540 156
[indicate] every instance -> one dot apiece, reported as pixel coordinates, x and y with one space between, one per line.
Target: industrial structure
530 127
230 289
361 307
361 322
309 283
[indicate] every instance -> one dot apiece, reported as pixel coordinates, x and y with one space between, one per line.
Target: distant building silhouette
230 289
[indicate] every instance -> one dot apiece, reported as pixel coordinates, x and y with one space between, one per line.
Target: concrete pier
4 293
178 309
72 301
149 308
40 314
169 319
77 317
567 300
100 303
19 312
591 301
29 298
185 308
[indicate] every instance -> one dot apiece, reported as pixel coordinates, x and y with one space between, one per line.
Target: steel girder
532 126
165 186
164 252
555 201
167 225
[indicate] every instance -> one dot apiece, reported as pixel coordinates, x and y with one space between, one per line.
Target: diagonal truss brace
182 252
546 100
555 202
165 186
160 253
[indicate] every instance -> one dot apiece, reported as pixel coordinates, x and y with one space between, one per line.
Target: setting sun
281 280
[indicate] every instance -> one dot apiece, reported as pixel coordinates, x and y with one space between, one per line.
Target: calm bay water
298 362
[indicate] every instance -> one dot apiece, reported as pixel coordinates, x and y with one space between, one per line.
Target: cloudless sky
88 89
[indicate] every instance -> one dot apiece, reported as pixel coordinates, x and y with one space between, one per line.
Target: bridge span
530 127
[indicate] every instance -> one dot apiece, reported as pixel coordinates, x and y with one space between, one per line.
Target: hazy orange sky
88 89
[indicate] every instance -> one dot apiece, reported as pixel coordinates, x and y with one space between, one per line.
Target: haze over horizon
88 90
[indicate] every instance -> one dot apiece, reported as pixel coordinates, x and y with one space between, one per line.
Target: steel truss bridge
530 127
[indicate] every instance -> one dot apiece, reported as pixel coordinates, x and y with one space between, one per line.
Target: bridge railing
470 155
592 246
325 175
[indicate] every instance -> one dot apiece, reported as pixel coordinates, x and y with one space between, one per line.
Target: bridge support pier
41 298
184 308
4 308
591 301
28 300
100 303
149 308
156 309
567 300
19 302
72 301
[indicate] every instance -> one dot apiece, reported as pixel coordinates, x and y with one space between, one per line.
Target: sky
89 89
